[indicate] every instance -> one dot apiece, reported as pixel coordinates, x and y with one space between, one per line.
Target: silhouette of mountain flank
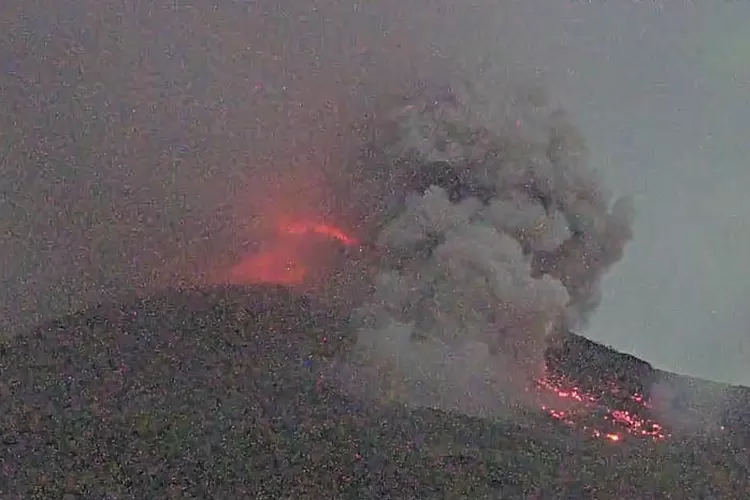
219 393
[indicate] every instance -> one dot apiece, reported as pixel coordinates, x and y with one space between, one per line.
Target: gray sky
134 140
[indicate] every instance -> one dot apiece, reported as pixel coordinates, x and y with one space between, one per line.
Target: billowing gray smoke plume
503 235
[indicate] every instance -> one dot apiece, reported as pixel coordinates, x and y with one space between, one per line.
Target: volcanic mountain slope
614 379
218 393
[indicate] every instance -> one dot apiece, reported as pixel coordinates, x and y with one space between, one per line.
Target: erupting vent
288 256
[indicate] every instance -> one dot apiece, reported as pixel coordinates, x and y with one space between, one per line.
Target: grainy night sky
137 138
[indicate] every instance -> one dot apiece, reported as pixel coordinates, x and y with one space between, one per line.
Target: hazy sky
134 140
662 93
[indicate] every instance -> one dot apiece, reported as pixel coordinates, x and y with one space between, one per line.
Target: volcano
410 338
223 392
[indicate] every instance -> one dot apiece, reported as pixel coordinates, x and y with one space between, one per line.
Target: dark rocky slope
217 393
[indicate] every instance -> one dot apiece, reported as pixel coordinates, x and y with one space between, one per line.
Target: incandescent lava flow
594 415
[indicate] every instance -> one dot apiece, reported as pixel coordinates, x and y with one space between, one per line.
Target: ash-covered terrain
224 392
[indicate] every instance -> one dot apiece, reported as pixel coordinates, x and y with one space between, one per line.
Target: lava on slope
598 390
593 414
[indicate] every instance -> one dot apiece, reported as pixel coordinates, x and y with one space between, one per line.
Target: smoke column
495 233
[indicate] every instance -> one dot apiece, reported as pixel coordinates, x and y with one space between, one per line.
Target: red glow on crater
289 254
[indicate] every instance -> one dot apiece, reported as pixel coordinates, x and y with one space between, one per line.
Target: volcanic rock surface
220 393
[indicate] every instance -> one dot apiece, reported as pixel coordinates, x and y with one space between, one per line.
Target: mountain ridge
217 393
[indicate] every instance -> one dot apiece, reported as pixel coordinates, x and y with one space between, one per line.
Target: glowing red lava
594 416
332 232
287 257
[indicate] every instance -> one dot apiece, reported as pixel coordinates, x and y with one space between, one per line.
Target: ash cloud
495 232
